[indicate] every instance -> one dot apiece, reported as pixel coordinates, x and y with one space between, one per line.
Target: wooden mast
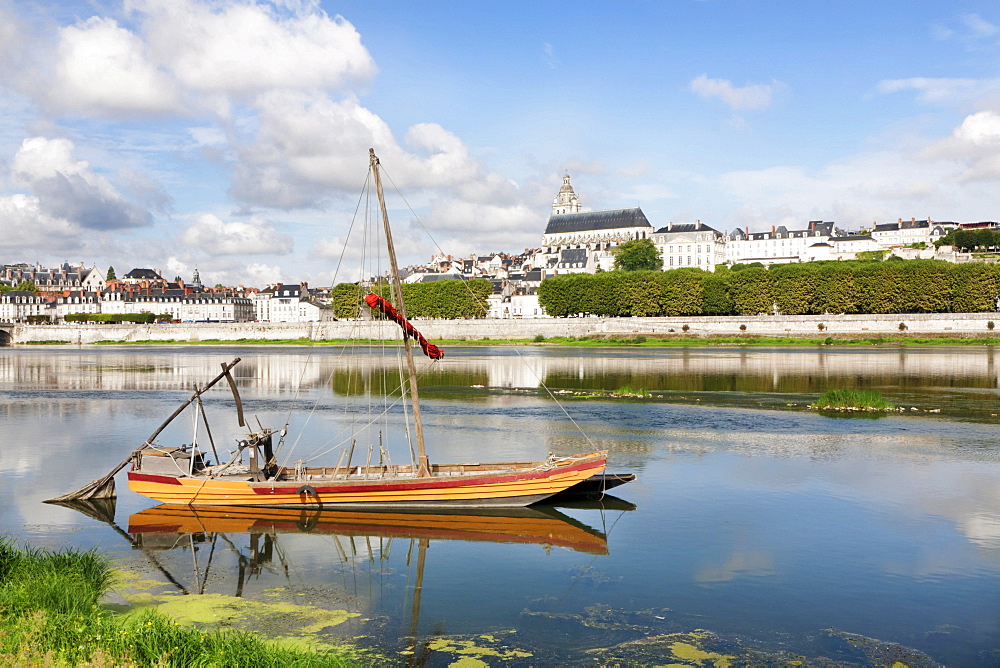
423 464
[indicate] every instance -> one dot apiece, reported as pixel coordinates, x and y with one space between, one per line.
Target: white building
59 279
690 245
19 305
193 307
780 245
78 302
583 241
290 303
515 306
903 233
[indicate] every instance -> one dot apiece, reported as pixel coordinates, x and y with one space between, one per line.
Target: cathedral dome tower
566 201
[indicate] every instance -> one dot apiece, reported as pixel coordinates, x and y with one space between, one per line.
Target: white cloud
980 129
978 26
941 90
243 47
975 143
215 237
752 97
852 192
262 274
550 56
67 188
185 56
26 226
104 68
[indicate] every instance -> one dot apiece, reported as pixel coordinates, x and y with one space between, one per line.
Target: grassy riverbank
50 616
651 341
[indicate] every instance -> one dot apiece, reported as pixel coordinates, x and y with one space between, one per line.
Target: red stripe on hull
457 481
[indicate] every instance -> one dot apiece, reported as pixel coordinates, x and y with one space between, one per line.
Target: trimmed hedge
117 318
893 286
449 298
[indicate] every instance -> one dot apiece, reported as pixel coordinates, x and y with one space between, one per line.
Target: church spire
566 201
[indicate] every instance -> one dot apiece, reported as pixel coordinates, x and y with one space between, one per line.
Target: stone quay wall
968 324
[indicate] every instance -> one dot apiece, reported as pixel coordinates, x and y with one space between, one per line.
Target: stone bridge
6 335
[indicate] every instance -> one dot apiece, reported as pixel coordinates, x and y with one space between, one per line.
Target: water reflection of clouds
739 564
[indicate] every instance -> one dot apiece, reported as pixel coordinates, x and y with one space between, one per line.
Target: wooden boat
183 475
538 525
503 484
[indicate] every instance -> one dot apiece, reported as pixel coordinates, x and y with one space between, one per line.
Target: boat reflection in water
254 532
165 526
268 542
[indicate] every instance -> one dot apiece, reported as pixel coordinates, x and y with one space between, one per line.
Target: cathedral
582 241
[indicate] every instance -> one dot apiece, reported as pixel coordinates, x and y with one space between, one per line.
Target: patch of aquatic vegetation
870 400
291 624
655 637
623 392
604 617
696 648
853 400
705 648
471 651
874 652
591 576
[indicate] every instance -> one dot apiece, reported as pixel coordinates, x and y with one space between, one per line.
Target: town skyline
232 137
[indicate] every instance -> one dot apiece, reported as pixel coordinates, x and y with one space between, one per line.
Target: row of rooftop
574 241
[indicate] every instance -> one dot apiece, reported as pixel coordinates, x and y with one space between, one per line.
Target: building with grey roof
690 245
780 245
583 241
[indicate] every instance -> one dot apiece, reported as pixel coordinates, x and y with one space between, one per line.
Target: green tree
683 291
27 286
639 293
568 294
794 287
716 297
836 288
601 294
751 291
927 286
638 255
975 287
881 287
111 275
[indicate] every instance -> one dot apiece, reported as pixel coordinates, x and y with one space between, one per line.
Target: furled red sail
376 302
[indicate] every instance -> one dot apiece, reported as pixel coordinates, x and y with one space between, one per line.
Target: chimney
772 230
899 221
697 225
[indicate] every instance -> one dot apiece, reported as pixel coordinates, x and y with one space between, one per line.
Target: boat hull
502 486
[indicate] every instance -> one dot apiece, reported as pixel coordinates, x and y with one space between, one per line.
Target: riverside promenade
820 326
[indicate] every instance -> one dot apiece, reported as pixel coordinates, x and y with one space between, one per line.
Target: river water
756 528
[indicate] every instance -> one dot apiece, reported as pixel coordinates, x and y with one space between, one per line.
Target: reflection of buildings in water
653 369
512 372
284 372
147 370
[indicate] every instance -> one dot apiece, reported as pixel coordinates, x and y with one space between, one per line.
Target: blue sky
232 136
